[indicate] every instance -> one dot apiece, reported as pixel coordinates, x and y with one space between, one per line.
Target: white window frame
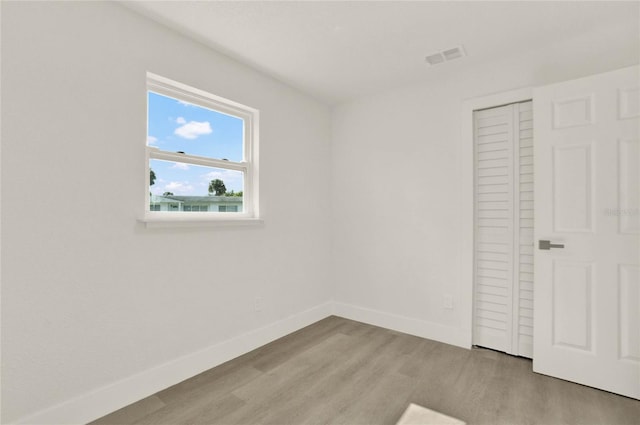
248 166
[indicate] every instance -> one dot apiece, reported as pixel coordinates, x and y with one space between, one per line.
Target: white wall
397 184
89 295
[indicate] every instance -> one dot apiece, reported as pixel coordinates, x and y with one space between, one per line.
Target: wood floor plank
367 407
296 371
277 403
210 387
133 412
339 371
351 374
437 372
197 411
471 393
278 352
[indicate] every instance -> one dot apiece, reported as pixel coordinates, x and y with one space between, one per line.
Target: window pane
177 126
179 186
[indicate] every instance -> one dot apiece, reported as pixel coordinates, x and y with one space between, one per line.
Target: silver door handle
548 245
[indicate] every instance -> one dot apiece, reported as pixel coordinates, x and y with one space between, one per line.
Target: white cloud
180 166
178 188
232 179
151 140
192 129
181 120
183 103
223 174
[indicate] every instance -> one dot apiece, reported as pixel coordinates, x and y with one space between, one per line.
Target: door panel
573 112
572 187
587 296
572 304
629 102
629 177
629 301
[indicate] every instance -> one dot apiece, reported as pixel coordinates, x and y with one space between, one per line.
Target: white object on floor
418 415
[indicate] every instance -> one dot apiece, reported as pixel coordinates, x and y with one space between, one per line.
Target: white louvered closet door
503 298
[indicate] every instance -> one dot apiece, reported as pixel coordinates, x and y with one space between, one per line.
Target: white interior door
587 293
503 249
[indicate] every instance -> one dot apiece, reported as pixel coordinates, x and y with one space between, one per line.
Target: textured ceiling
337 51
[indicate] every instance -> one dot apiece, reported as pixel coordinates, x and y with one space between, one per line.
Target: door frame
467 201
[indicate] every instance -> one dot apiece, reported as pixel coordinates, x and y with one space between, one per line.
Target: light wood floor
338 371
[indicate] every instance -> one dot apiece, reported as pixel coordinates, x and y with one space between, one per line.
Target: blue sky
178 126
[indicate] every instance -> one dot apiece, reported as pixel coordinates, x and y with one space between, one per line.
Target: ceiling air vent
435 59
445 55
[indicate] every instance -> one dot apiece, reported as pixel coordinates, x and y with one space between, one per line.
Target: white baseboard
93 405
447 334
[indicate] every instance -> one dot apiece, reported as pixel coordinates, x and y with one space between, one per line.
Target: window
195 208
201 155
228 208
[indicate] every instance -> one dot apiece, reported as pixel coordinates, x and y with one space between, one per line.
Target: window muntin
194 139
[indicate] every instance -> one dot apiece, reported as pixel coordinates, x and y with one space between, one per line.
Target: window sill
155 221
